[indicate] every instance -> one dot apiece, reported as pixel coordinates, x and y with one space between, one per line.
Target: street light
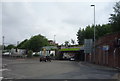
3 43
94 30
94 21
54 38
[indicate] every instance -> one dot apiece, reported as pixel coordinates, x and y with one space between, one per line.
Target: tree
89 32
101 30
29 53
115 18
72 41
37 42
66 43
80 36
23 44
9 47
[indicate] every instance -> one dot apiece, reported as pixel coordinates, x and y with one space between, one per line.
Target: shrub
36 55
30 53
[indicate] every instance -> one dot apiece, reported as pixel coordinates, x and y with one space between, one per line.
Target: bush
30 53
59 56
36 55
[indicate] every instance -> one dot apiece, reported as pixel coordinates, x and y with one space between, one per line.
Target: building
51 42
18 51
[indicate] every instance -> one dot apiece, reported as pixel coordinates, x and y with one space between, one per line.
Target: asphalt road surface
33 69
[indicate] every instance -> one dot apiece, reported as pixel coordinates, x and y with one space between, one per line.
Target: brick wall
108 58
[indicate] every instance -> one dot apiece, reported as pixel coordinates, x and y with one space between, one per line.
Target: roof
50 47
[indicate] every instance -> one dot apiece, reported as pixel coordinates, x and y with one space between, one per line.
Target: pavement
33 69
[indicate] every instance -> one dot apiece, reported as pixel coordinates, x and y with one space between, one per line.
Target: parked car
33 53
72 59
45 58
6 53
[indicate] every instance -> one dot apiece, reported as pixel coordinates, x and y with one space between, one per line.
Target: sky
21 20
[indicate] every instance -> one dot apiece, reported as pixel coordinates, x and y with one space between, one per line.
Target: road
33 69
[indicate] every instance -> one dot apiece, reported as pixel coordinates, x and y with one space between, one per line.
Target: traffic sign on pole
88 44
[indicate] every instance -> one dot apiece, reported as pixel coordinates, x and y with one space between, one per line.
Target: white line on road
1 78
3 69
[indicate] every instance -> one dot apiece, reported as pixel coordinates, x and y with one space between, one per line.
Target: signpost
88 45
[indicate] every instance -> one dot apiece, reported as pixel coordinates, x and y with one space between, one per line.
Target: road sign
106 47
88 44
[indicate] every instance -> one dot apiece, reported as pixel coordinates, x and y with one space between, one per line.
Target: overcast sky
21 20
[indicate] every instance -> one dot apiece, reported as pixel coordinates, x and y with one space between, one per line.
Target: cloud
22 20
0 23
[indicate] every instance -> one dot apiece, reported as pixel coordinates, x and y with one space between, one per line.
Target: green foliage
59 56
30 53
66 43
23 44
88 32
115 18
9 47
80 36
72 41
35 43
36 55
101 30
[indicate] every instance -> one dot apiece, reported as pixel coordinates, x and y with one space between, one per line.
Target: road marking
3 69
1 78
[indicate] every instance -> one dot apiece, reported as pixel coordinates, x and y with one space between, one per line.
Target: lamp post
54 38
3 43
17 43
94 30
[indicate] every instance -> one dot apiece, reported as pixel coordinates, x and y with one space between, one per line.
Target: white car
33 53
7 53
72 59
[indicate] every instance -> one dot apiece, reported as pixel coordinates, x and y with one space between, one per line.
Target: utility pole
17 43
54 38
3 43
94 31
